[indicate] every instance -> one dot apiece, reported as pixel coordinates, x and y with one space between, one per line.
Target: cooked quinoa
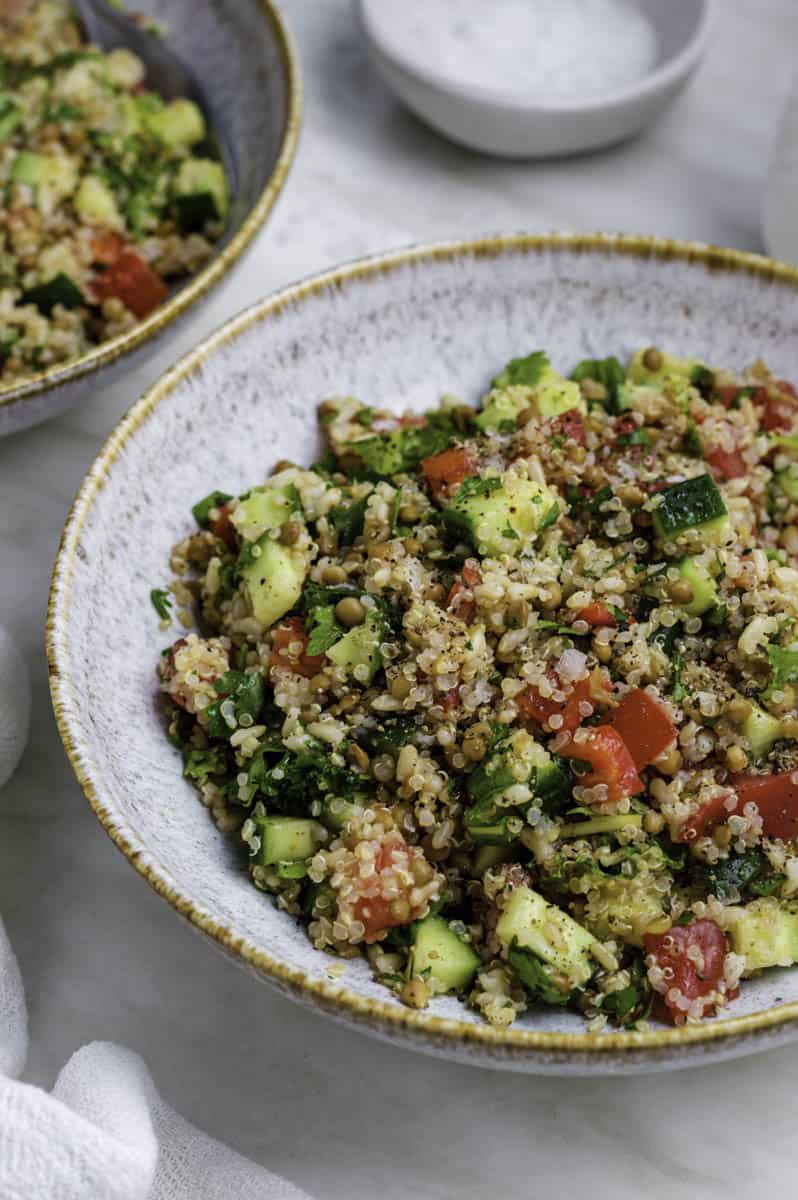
106 191
506 698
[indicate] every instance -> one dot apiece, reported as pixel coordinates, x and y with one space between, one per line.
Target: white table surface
103 957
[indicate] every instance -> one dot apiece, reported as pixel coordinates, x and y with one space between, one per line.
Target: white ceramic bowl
501 121
398 330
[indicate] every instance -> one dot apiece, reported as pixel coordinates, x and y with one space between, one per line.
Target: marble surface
103 957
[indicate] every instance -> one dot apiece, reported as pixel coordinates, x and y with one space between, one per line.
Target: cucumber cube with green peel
440 954
273 579
530 923
693 504
287 839
705 590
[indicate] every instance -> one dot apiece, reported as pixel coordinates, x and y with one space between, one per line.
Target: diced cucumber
262 509
501 515
336 813
602 825
693 504
487 824
291 870
677 372
528 383
30 169
529 922
94 202
287 839
625 908
787 481
58 290
179 123
358 651
762 730
766 934
50 175
440 954
273 579
705 591
201 192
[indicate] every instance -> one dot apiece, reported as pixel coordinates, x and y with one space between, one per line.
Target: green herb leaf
349 520
607 371
478 487
161 602
203 507
524 371
325 630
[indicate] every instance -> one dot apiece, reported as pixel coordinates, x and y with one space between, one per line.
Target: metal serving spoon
166 73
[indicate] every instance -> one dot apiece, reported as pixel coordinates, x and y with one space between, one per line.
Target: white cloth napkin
104 1133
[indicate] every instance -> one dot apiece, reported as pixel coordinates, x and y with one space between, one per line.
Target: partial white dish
396 331
523 80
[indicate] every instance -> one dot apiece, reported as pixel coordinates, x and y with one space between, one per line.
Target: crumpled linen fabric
104 1133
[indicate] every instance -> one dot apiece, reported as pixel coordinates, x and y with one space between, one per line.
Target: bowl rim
107 352
663 76
347 1005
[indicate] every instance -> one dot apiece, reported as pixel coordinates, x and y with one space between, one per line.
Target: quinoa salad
107 191
505 697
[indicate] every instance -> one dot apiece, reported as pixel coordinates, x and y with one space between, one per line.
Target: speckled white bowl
245 58
502 120
398 330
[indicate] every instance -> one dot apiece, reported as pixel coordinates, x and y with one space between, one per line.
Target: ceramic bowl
244 55
496 120
398 330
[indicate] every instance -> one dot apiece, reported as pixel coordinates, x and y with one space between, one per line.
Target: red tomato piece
290 632
596 614
725 464
776 797
605 750
692 958
644 726
451 699
133 281
106 247
448 469
534 707
713 813
570 425
781 404
223 527
460 604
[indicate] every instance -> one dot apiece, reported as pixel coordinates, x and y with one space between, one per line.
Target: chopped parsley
161 602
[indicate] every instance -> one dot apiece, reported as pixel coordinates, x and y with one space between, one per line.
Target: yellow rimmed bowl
245 59
396 330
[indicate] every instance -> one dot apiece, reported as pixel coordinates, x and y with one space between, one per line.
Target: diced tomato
596 614
412 421
286 634
451 699
130 279
374 909
534 707
463 606
727 464
571 426
727 395
223 527
605 750
106 248
704 820
644 726
776 797
447 469
781 406
692 958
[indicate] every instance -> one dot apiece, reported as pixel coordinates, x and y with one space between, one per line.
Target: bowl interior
400 333
676 23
